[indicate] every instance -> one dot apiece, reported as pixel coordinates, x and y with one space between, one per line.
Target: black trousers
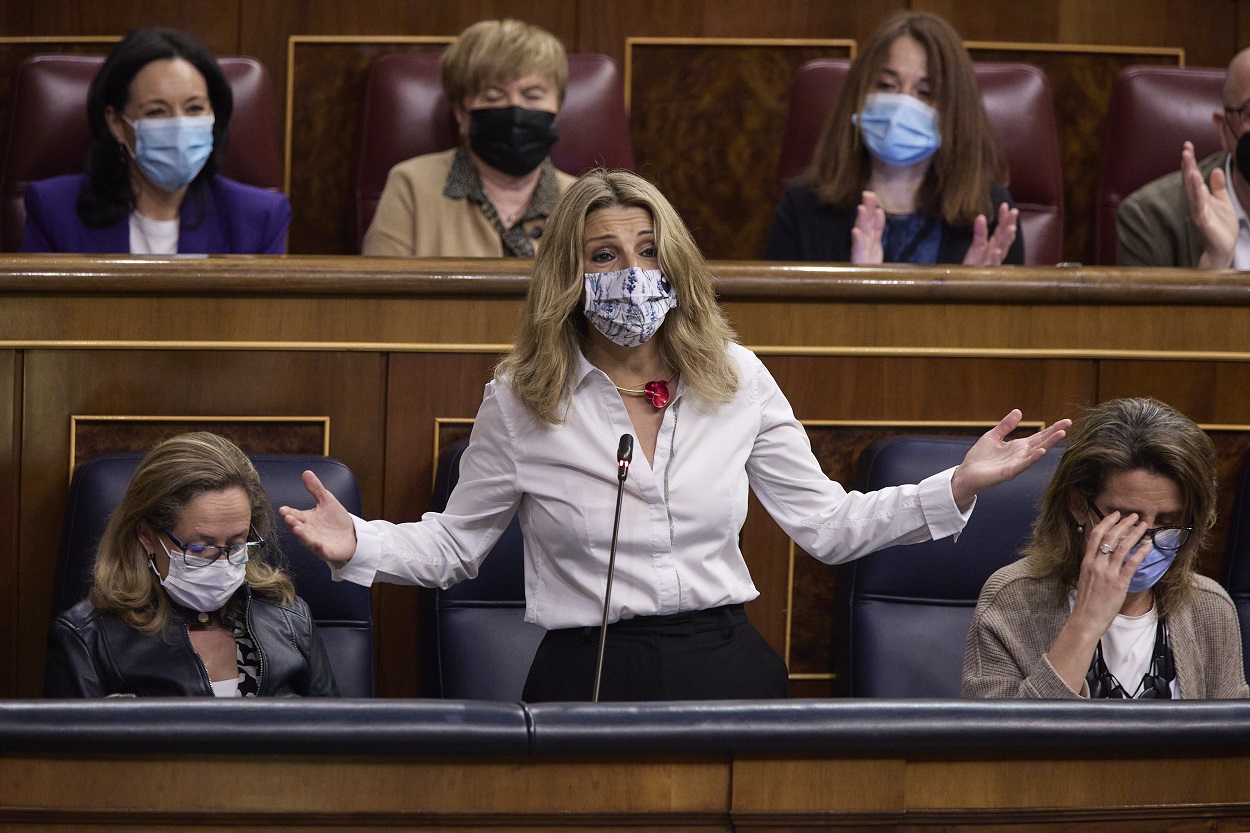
704 655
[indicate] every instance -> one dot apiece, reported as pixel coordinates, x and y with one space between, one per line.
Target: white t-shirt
152 237
1241 254
225 688
1128 647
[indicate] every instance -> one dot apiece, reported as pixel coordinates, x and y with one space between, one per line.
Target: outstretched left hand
995 459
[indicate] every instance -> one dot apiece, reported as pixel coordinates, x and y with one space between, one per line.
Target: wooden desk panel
386 347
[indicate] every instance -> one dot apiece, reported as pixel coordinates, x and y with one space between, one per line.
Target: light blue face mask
1151 569
899 129
172 152
629 305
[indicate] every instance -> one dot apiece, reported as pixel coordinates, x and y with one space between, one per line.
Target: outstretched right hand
326 529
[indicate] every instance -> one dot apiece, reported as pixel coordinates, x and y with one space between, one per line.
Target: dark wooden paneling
10 501
604 27
421 388
266 25
707 120
328 85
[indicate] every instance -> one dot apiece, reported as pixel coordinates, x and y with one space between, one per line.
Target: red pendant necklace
656 391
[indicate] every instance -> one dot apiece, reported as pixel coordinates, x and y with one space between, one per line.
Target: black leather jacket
93 654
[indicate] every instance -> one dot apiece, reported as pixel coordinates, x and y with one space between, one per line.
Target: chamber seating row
901 615
1153 110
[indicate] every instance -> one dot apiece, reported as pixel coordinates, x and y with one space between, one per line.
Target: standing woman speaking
622 334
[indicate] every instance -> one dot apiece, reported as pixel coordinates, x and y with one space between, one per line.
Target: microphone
624 455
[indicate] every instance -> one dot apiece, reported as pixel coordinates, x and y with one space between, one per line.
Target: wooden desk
840 765
392 356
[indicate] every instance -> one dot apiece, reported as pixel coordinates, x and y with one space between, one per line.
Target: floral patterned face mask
628 306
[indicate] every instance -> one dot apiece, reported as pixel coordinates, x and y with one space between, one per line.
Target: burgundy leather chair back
48 133
1153 111
1021 112
406 114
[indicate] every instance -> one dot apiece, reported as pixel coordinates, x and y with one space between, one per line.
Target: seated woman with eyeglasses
1107 601
186 597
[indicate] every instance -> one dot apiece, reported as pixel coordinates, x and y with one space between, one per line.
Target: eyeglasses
202 555
1238 114
1164 537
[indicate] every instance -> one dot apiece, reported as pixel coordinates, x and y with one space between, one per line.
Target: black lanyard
1156 683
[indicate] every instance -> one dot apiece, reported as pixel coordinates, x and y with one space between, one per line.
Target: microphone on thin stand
624 454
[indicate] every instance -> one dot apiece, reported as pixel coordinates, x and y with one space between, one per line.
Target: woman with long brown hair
906 169
1107 601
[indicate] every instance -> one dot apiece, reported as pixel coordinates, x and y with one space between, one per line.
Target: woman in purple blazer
158 113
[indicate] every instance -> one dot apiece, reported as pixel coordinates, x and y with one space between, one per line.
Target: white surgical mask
202 589
171 152
629 305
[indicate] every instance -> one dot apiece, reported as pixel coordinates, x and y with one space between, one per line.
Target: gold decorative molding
77 420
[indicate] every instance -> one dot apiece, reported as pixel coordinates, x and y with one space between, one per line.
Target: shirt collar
463 183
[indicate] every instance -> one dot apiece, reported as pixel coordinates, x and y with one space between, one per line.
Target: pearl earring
1080 530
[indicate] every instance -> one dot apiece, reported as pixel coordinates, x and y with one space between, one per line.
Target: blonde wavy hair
693 339
957 185
1118 436
171 475
498 52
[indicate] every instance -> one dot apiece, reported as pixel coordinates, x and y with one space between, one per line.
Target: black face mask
1241 156
512 139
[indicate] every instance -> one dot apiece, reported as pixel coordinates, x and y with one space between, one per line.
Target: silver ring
1105 549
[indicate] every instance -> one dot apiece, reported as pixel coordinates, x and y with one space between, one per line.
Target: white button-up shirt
1241 252
678 543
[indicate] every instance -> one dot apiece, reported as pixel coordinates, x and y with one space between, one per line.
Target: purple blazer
237 219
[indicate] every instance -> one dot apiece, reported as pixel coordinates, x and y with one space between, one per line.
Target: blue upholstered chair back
902 614
483 646
1237 555
343 611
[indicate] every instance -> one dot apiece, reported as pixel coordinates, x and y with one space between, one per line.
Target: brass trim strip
1013 353
850 43
74 419
35 39
1077 48
289 104
280 346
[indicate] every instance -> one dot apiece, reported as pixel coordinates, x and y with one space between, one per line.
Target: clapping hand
866 235
990 249
1211 210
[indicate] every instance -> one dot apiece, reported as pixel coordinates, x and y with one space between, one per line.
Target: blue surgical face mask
172 151
899 129
628 306
1152 568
